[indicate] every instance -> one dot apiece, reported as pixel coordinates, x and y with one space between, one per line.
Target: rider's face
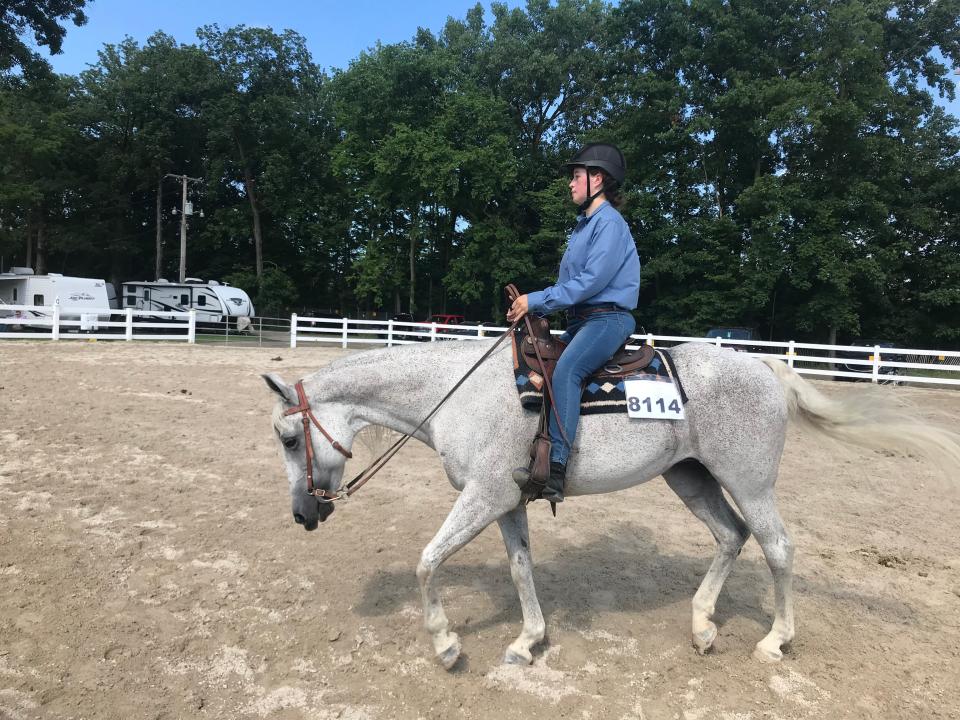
578 185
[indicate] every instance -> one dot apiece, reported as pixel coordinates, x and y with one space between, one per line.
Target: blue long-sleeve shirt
600 266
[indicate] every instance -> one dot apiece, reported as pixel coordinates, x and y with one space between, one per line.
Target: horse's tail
872 420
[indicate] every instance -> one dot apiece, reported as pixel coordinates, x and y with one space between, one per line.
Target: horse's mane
379 355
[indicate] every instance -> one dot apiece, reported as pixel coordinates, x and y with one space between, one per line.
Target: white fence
34 322
861 362
875 363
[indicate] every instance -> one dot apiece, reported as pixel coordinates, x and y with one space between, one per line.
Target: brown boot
554 490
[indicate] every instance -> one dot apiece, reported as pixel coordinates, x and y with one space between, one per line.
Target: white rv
214 302
85 299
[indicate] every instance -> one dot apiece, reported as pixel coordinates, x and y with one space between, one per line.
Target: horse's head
313 457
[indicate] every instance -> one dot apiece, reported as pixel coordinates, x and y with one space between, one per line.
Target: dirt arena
150 568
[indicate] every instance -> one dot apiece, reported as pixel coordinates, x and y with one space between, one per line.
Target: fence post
55 327
876 363
128 327
343 342
293 330
192 328
791 353
718 341
433 332
650 339
389 333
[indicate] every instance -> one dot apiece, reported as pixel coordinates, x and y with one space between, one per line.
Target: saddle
541 351
535 356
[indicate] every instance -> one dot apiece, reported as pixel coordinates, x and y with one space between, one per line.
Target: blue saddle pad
600 394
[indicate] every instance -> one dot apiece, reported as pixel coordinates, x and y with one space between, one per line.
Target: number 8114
635 404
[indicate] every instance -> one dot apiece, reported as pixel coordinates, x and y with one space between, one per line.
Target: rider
598 286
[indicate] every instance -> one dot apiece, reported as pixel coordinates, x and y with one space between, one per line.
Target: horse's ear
276 383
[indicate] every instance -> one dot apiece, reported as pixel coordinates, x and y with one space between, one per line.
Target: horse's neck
393 389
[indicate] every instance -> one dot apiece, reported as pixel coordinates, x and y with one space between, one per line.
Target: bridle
308 417
345 491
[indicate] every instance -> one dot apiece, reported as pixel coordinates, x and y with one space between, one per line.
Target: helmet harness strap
582 207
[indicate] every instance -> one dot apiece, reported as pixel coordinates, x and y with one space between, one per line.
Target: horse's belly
614 454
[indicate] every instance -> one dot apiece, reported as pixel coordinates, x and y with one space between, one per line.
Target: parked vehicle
735 333
214 302
475 328
417 334
445 319
83 299
887 374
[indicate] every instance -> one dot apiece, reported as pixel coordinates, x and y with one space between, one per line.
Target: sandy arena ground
150 568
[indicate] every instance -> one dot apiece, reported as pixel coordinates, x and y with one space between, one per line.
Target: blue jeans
591 341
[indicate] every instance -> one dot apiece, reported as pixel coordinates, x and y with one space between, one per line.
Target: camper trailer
85 299
214 302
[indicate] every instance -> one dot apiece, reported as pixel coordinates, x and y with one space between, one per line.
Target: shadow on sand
623 572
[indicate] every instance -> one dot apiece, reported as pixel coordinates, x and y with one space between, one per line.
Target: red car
445 319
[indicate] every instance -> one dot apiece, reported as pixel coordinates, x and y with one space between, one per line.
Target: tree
37 189
44 20
261 114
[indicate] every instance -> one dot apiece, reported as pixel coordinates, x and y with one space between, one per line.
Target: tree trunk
28 261
41 247
414 229
158 265
248 184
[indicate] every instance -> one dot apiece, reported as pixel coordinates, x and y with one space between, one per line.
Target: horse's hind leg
473 511
698 489
758 505
513 527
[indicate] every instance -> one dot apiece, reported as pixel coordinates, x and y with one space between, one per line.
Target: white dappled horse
731 440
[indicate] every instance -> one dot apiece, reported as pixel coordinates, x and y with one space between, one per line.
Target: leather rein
345 491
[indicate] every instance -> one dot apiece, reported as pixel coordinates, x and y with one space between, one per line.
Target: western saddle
541 351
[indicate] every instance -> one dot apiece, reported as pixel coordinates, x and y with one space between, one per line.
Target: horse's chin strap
345 491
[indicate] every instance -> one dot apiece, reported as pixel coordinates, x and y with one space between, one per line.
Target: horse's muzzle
324 510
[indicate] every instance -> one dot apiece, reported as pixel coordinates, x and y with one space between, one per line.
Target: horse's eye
290 443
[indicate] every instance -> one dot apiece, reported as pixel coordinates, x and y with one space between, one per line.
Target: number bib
653 398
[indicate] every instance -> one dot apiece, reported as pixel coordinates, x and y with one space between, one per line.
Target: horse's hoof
517 657
449 656
766 655
703 640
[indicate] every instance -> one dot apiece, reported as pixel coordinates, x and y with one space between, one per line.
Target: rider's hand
518 309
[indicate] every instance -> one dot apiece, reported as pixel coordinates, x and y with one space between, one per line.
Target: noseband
308 417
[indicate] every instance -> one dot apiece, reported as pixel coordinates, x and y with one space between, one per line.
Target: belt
581 310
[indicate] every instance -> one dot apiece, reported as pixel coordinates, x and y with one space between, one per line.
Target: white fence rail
862 362
56 322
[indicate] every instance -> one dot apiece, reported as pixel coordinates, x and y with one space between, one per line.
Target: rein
345 491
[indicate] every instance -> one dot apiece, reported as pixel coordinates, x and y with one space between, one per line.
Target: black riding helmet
602 156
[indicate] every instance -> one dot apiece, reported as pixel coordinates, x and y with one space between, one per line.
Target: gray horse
731 440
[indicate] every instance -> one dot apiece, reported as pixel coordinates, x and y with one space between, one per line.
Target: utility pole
185 209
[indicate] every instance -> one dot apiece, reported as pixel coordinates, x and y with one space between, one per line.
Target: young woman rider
598 286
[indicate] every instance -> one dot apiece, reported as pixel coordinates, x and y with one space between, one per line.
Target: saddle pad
600 394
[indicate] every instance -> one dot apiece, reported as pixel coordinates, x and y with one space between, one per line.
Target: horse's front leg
516 537
475 509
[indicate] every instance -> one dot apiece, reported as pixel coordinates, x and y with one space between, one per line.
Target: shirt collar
583 216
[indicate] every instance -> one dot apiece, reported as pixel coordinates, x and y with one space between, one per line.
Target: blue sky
336 32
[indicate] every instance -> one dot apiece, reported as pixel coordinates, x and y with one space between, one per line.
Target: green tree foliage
788 168
42 21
